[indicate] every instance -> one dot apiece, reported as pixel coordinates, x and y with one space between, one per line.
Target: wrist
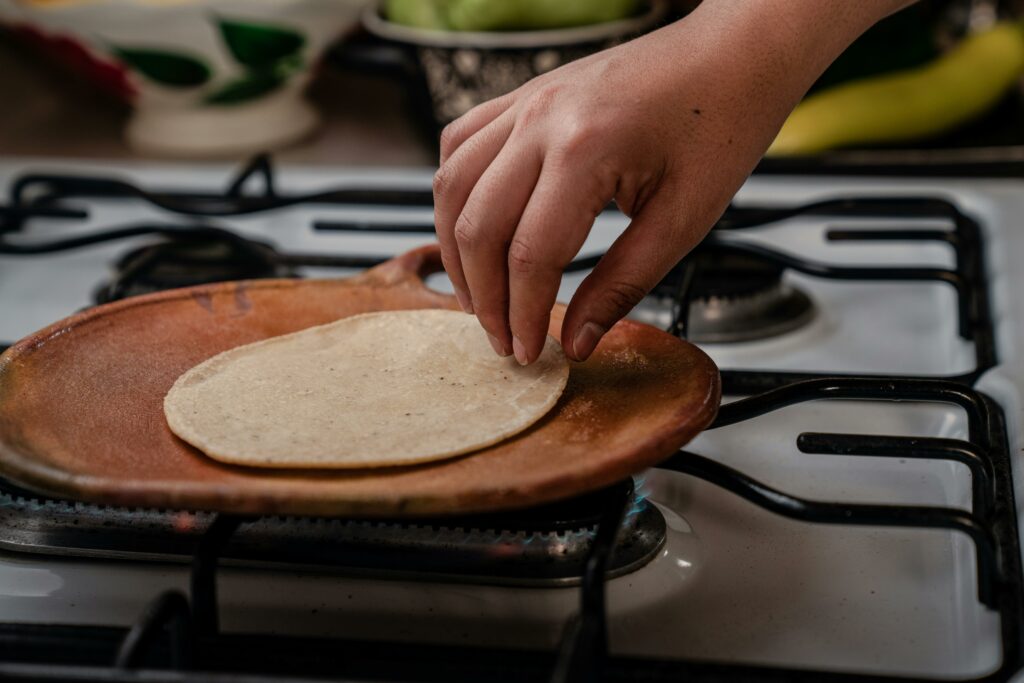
764 55
804 35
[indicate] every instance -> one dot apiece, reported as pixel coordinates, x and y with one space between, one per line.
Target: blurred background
362 82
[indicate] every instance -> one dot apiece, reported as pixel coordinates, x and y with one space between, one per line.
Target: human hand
668 126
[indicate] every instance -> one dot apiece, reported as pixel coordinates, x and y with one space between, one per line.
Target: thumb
643 254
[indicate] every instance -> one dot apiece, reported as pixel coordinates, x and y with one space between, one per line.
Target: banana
911 104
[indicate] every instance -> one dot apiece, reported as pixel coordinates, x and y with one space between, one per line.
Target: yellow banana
910 104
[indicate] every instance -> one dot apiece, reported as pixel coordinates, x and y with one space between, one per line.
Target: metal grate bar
920 448
32 191
851 514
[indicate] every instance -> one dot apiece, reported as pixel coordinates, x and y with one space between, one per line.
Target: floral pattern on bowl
205 77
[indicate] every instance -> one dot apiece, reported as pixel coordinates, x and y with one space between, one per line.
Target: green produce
911 104
506 15
497 15
418 13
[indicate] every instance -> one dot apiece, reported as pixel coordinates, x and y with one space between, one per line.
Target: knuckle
538 105
622 295
449 135
522 258
580 137
444 178
467 235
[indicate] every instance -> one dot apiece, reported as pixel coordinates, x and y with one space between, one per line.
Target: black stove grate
178 637
53 195
201 648
544 546
967 277
40 194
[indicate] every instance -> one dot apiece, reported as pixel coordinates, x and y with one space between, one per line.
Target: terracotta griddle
81 407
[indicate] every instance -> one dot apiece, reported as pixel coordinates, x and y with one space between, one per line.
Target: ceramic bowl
205 77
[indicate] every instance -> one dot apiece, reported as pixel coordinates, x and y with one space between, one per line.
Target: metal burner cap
733 297
768 313
190 259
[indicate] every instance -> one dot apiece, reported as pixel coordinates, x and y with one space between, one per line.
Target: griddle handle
411 267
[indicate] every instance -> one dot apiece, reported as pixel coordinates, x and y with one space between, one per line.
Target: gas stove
851 515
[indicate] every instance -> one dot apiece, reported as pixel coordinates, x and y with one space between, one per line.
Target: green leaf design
249 87
259 45
288 66
168 68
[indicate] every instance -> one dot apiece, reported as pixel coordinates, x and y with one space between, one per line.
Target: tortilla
372 390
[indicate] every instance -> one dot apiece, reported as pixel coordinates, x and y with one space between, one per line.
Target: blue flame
641 492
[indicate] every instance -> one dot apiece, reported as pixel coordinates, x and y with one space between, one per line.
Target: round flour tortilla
373 390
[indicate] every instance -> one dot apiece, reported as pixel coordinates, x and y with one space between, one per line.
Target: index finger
554 226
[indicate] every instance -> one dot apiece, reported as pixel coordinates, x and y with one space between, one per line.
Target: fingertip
530 332
500 339
465 302
498 347
520 351
585 340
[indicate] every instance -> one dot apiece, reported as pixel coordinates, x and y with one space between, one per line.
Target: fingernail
586 339
464 301
520 351
498 347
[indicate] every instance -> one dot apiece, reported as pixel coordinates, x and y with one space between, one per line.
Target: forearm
779 46
809 33
812 32
759 57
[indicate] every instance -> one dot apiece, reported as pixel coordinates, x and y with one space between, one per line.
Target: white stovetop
733 583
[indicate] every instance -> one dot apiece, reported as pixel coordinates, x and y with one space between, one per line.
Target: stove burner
734 297
771 312
739 297
543 546
190 260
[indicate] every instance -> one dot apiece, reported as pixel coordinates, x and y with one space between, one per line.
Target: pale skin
668 126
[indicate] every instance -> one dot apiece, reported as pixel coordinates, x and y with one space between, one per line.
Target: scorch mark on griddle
204 300
242 302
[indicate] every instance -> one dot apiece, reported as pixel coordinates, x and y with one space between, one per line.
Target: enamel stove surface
733 582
